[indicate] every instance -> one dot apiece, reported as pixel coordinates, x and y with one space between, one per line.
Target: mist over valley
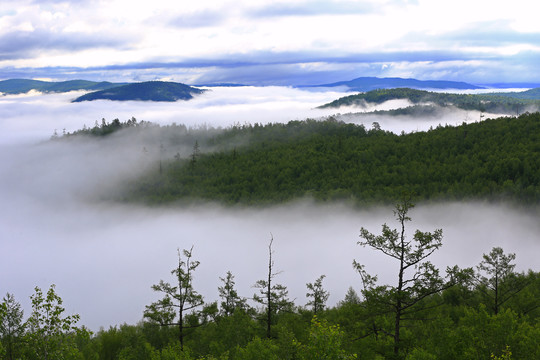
60 225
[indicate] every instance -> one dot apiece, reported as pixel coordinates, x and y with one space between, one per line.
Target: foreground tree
178 299
416 278
496 278
274 297
325 341
50 335
11 326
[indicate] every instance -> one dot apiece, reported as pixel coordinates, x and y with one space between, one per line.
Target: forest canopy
500 103
496 159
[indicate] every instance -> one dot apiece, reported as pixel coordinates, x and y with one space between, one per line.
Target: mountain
515 85
21 86
373 83
144 91
220 85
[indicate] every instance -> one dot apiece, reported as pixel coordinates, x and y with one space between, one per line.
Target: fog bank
104 257
58 226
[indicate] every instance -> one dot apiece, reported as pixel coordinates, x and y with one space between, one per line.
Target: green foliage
231 301
50 335
506 355
497 279
329 160
496 103
107 128
417 279
258 349
179 298
325 342
11 327
318 294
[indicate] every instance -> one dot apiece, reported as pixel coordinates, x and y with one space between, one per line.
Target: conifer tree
416 278
179 298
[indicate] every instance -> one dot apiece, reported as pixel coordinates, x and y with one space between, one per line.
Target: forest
493 160
487 312
498 103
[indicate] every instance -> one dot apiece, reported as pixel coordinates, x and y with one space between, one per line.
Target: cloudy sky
270 41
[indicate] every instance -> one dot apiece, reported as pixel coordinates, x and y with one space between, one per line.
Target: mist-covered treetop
507 103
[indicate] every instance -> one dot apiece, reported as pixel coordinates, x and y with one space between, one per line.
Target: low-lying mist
57 225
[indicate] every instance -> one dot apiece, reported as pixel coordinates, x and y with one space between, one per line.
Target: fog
58 227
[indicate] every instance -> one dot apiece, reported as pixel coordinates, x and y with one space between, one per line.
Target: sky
270 42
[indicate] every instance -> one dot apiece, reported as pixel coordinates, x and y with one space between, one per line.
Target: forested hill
532 94
21 86
145 91
508 103
331 160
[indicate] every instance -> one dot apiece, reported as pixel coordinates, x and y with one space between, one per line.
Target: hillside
373 83
21 86
145 91
494 103
532 94
493 159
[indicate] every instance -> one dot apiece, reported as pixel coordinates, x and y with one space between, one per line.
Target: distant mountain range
363 84
144 91
173 91
21 86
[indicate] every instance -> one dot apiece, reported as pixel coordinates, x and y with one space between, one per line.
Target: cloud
120 251
198 19
284 39
494 35
311 8
26 44
272 68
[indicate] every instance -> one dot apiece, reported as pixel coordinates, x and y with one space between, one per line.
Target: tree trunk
269 294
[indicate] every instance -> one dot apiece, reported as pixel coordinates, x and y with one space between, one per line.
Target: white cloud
166 31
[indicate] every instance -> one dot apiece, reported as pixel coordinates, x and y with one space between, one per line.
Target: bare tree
273 296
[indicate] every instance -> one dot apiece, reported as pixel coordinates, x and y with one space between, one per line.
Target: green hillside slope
494 103
493 159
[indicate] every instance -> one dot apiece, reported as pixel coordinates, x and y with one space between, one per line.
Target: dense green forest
496 159
491 311
505 103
